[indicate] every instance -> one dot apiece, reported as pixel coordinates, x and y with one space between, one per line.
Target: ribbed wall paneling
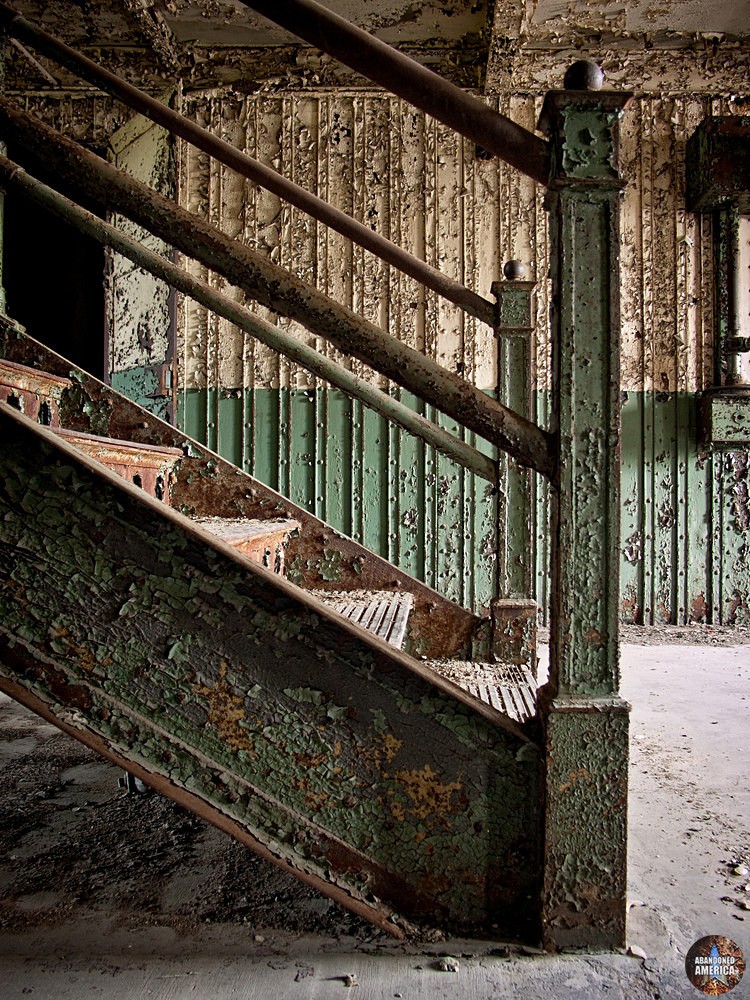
684 543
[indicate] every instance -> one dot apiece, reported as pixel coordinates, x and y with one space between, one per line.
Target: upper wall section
394 170
414 181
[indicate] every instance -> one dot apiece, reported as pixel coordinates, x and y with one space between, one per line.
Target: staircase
241 656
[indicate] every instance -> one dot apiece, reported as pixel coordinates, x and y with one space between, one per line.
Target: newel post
586 721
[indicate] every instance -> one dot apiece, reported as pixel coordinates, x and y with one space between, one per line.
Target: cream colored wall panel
414 181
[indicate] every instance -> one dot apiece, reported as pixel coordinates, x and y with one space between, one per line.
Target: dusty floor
126 895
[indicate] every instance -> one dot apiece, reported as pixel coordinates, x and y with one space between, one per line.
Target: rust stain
226 710
64 644
313 800
381 753
594 638
429 797
699 609
574 776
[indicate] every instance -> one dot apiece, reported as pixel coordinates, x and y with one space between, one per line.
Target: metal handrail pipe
405 77
13 176
78 170
245 165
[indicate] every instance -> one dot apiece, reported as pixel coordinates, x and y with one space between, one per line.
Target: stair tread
385 613
507 687
108 447
14 374
237 530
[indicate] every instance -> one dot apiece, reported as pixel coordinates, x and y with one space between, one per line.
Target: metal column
514 613
586 721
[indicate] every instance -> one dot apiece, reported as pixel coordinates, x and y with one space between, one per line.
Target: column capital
583 128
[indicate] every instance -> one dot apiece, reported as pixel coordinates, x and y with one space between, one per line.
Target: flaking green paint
585 721
199 635
141 384
587 145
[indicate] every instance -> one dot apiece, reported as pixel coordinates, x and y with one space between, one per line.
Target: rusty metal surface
35 393
149 467
271 286
343 756
409 79
264 542
207 486
247 166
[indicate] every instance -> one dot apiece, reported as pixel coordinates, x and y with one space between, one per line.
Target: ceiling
217 42
230 22
410 22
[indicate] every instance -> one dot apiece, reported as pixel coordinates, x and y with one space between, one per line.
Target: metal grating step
508 688
385 613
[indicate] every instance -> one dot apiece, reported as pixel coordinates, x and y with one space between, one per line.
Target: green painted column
513 329
514 613
586 721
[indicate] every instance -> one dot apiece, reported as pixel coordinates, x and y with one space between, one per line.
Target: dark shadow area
54 281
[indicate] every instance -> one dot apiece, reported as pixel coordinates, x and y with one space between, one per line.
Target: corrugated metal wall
685 522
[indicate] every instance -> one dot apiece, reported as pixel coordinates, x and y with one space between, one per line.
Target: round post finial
584 75
514 270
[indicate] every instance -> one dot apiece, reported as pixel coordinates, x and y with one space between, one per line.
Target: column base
585 851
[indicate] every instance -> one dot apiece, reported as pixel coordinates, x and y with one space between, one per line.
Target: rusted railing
272 286
407 78
513 433
12 176
247 166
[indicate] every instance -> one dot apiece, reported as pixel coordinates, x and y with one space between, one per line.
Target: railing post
514 614
585 719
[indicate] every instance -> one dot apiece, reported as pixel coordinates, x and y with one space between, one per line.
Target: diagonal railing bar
13 176
86 174
472 303
405 77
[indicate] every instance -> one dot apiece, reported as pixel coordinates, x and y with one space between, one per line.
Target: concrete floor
689 822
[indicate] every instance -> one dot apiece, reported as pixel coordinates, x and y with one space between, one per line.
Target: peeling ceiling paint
641 16
230 22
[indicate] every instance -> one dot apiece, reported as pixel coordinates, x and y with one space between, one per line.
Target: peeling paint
207 681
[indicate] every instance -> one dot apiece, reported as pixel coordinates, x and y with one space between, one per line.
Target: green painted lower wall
685 510
141 384
685 517
368 479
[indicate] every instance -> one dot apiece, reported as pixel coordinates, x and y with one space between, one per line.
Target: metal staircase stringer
205 485
345 760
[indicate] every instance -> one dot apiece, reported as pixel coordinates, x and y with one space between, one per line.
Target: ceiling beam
156 30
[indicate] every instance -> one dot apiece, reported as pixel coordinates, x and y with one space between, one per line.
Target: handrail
272 286
11 175
16 25
405 77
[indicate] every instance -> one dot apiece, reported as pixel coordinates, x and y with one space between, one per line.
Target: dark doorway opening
54 282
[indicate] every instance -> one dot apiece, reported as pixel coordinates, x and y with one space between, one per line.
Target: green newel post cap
581 122
515 309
